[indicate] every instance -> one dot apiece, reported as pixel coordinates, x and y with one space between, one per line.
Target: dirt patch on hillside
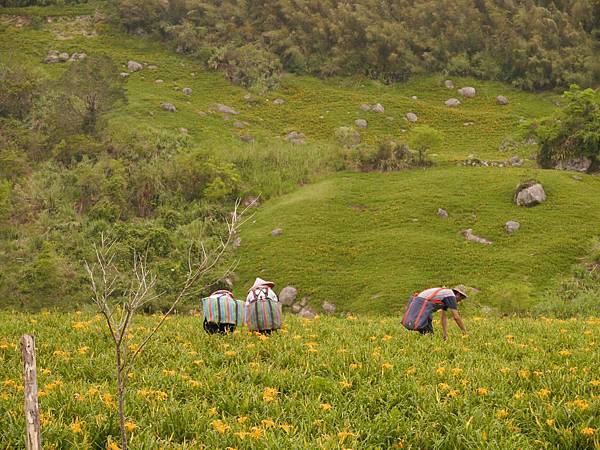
63 28
15 21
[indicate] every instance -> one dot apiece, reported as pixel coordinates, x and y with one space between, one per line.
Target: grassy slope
371 257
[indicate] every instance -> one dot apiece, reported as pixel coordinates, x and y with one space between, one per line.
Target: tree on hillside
424 139
572 132
91 87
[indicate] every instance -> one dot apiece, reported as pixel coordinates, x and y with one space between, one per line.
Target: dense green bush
535 44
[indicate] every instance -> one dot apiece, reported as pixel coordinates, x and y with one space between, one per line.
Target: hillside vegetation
328 383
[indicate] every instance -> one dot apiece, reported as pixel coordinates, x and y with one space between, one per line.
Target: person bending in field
420 309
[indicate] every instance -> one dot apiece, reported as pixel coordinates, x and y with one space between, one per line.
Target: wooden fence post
32 412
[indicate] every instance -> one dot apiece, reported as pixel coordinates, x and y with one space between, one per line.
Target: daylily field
354 382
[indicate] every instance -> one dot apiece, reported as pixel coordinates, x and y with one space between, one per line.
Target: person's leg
427 329
225 328
211 328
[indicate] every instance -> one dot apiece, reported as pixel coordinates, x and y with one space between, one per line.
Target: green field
328 383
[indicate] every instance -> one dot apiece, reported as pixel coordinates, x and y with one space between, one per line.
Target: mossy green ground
367 241
330 383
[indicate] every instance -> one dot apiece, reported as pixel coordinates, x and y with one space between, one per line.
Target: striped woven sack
263 314
223 309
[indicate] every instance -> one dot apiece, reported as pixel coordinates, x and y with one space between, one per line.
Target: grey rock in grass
414 97
77 57
288 295
296 308
304 302
347 136
134 66
442 213
502 100
365 107
183 130
378 108
467 92
152 67
581 164
511 226
237 243
468 124
361 123
515 161
277 232
411 117
278 101
187 91
247 138
124 74
238 124
295 137
452 102
63 56
469 236
529 193
224 109
449 84
159 81
577 178
202 114
307 313
329 308
168 107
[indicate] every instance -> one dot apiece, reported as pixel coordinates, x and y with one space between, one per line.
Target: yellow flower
168 373
107 399
112 446
46 371
243 419
267 423
504 370
195 383
373 338
387 337
543 393
230 353
342 435
355 366
345 384
581 404
386 366
325 406
502 414
83 350
270 394
411 371
219 426
92 391
564 353
351 318
130 426
595 383
482 391
242 434
197 362
440 371
452 393
523 373
509 337
519 395
76 426
456 371
550 422
587 431
212 412
256 433
285 427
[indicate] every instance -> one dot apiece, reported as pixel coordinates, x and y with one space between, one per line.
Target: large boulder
378 108
467 92
581 164
452 102
502 100
529 193
411 117
511 226
134 66
168 107
288 295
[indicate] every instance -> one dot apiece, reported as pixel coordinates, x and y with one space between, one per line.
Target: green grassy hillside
367 241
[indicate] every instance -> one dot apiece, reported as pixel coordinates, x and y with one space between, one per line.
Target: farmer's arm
458 320
444 324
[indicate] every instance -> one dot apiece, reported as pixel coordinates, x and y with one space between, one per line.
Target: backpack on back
418 311
221 307
262 311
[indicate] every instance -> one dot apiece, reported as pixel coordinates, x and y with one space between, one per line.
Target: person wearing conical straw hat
420 309
263 310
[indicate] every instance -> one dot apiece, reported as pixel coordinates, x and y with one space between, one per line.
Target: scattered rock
238 124
442 213
449 84
467 92
329 308
487 310
247 138
414 97
168 107
581 164
529 193
360 123
295 138
469 236
347 136
288 295
307 313
277 232
134 66
411 117
54 56
77 57
152 67
251 201
158 81
247 97
502 100
378 108
514 161
63 57
183 130
468 124
224 109
304 301
452 102
530 141
365 107
237 242
278 101
577 178
511 226
359 207
187 91
124 74
296 308
202 114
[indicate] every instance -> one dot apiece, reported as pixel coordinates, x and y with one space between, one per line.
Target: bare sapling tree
119 299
